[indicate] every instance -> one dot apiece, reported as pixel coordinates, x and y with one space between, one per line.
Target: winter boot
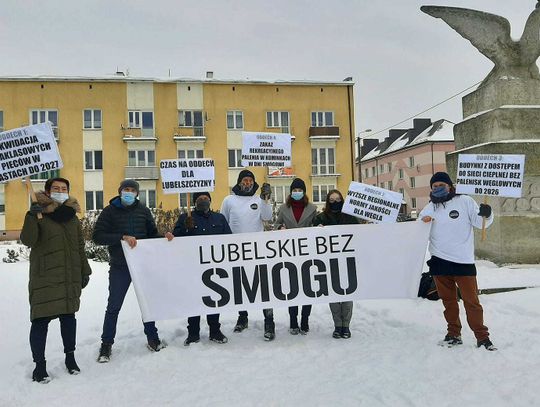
345 332
105 353
218 337
40 374
450 341
269 331
337 332
486 343
71 365
304 326
241 324
294 330
155 345
192 338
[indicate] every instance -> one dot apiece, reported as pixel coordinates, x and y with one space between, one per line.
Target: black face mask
203 206
336 206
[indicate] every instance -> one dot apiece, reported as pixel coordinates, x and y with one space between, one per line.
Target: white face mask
59 197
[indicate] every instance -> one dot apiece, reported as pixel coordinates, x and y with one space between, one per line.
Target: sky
402 60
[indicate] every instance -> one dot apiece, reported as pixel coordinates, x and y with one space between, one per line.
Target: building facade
110 129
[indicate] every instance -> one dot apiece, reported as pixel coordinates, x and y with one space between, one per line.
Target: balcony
151 173
324 133
137 134
189 134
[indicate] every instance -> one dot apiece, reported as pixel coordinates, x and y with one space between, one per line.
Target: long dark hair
304 200
327 209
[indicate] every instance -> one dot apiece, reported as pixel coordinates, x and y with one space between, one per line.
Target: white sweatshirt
451 237
246 213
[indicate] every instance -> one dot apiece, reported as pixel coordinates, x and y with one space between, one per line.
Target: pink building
405 160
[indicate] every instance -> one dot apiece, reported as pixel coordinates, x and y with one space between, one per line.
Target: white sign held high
266 149
27 151
490 174
190 175
371 203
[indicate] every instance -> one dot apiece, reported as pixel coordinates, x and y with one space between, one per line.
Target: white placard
200 275
190 175
371 203
27 151
490 174
266 149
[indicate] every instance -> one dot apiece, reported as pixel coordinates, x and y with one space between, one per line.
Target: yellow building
118 127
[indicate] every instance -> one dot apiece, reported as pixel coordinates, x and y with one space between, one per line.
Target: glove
36 208
485 210
85 281
266 191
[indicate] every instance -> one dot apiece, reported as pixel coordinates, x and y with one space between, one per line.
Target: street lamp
359 151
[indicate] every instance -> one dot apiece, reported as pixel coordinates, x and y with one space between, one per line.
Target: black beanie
245 173
198 194
440 177
128 183
298 183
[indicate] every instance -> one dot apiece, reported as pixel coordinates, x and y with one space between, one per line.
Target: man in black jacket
125 218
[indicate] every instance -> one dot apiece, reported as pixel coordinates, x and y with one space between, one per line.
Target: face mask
297 195
440 192
336 206
59 197
202 206
127 198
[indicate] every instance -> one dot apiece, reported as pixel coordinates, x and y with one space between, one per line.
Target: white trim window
45 175
183 154
413 203
320 192
94 200
1 120
322 119
390 185
411 162
278 119
381 185
280 193
402 191
43 116
235 120
400 173
182 200
389 167
413 182
192 118
93 160
92 119
235 158
381 168
140 119
323 161
366 172
148 197
141 158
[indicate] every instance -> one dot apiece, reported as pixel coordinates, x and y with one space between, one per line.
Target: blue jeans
119 281
38 334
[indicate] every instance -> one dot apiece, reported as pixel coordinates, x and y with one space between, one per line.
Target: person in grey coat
297 212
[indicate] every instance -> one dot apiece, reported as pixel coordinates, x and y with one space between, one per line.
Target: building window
413 203
235 119
46 175
322 161
235 158
182 200
381 168
93 160
94 200
279 194
278 119
402 191
322 119
389 167
43 116
411 162
92 119
2 202
320 192
373 171
1 120
366 172
400 173
381 185
141 158
183 154
148 197
413 182
390 185
144 120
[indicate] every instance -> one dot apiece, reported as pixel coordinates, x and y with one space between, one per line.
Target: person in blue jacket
202 221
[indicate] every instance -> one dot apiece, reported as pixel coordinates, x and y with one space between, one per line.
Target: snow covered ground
392 358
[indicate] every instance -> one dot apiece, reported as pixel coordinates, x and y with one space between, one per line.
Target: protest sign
200 275
490 174
27 151
189 175
266 149
371 203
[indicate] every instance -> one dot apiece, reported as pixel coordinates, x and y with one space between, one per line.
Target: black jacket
117 220
211 223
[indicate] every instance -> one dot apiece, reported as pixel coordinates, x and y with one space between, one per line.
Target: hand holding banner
374 204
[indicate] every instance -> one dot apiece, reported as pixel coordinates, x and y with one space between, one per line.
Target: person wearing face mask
245 212
127 219
332 215
59 270
202 221
297 212
451 245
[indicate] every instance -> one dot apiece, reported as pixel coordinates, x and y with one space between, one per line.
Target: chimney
368 144
419 125
209 75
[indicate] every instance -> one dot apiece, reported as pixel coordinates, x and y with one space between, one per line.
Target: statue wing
530 40
489 33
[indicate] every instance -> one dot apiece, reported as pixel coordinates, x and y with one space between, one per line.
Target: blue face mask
440 192
297 195
128 198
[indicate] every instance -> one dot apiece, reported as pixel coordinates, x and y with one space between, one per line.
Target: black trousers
293 314
194 324
38 334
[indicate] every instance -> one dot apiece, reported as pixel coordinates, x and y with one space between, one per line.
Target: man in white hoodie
245 212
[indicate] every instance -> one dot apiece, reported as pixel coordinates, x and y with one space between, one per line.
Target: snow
392 358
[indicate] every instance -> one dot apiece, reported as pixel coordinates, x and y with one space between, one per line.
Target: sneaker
337 332
345 333
155 345
218 337
105 353
40 374
294 331
241 324
486 343
191 339
450 341
71 365
269 331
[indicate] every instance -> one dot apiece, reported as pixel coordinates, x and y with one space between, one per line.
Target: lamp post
359 152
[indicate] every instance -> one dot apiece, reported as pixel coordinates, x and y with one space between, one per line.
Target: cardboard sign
490 174
190 175
266 149
27 151
371 203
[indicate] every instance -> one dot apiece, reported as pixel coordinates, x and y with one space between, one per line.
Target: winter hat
440 177
245 173
128 183
196 195
298 183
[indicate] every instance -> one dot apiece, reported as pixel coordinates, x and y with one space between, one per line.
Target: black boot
217 336
71 364
241 324
193 337
269 330
304 325
40 374
105 353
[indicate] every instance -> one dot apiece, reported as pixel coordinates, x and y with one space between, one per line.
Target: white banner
371 203
202 275
27 151
490 174
190 175
266 149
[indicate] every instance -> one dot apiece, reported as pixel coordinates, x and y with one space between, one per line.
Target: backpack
427 288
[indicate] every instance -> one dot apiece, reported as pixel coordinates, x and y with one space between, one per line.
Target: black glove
485 210
85 281
266 191
36 208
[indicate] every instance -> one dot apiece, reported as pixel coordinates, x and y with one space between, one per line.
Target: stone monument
503 117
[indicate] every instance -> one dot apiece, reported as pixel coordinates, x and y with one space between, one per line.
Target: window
46 175
381 185
138 119
402 191
235 119
400 173
322 161
366 172
279 194
278 119
372 171
148 197
322 119
92 119
141 158
411 162
183 154
1 120
390 185
413 203
381 168
94 200
320 192
93 160
43 116
182 200
2 202
413 182
389 167
235 158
